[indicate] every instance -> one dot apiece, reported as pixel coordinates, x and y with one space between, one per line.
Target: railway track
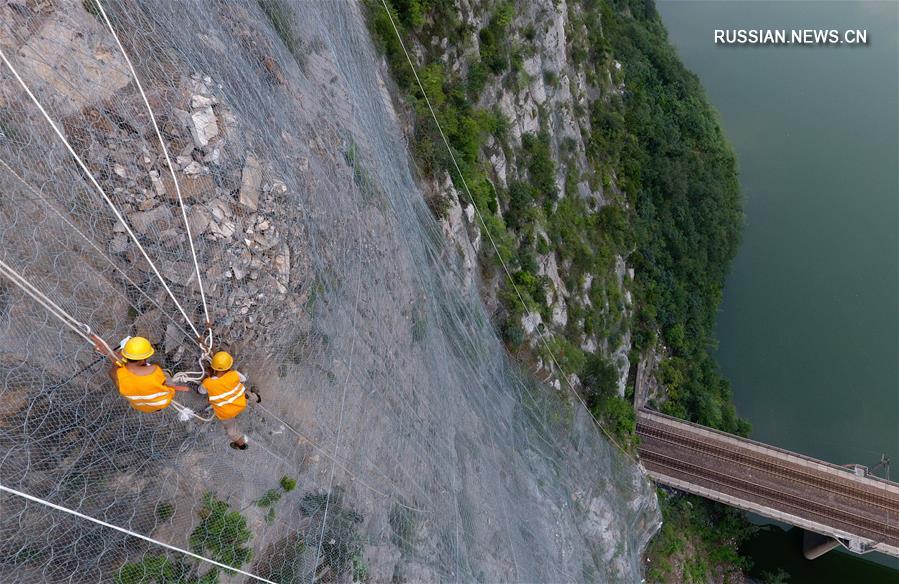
771 466
872 529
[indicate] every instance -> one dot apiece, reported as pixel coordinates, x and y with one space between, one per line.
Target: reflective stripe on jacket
145 393
226 394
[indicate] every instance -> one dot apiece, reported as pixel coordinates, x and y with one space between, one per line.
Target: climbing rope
52 207
80 515
490 236
78 327
168 161
84 331
185 413
198 375
103 194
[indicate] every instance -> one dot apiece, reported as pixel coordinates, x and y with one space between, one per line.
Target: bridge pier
815 545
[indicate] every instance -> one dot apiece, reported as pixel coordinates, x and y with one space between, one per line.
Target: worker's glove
104 350
98 346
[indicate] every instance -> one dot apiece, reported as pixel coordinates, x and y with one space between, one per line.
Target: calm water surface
809 328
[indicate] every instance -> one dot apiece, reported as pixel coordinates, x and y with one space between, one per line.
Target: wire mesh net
395 439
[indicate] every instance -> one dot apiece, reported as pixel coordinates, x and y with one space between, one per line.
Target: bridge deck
769 481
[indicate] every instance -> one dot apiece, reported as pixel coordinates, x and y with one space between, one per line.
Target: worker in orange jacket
146 387
228 396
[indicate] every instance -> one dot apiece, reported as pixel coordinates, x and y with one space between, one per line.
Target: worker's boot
241 444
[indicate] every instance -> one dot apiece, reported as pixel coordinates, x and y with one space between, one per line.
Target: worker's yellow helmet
222 361
137 349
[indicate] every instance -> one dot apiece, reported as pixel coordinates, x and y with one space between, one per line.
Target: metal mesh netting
395 440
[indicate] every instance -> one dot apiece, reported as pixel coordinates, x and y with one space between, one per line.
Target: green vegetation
494 42
466 126
222 534
368 186
403 523
697 540
283 561
287 484
278 14
164 511
341 544
419 323
267 501
159 569
272 496
679 174
781 576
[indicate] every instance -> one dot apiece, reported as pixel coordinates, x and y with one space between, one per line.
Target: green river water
809 329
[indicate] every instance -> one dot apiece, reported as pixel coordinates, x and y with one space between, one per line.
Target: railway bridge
859 510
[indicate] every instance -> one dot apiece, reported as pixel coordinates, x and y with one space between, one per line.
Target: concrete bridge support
815 545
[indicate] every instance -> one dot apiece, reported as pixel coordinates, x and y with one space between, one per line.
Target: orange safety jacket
145 393
226 394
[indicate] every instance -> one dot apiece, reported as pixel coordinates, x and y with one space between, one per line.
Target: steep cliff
396 440
514 89
607 191
593 182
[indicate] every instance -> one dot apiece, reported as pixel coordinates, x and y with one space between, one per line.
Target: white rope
185 413
70 321
168 161
194 376
131 533
487 231
188 376
99 251
84 330
103 194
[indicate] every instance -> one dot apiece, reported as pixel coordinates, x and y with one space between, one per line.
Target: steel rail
883 531
846 489
656 416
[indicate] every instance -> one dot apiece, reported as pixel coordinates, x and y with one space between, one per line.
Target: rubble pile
249 251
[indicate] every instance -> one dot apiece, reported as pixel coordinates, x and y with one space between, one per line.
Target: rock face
251 181
70 56
204 126
461 231
192 187
556 293
159 218
550 95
